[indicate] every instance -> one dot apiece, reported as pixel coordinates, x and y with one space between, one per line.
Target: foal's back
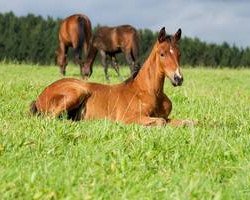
110 38
98 100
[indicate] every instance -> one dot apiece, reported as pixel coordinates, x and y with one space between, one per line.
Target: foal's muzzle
177 80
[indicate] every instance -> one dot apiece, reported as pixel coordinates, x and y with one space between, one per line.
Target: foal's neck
150 78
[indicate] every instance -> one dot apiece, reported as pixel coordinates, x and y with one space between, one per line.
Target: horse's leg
104 63
130 61
115 65
78 57
65 59
164 108
66 103
181 122
85 48
147 121
164 111
62 57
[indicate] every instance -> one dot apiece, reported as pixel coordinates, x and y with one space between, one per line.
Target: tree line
33 39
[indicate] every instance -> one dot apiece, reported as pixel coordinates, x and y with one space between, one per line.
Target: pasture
42 158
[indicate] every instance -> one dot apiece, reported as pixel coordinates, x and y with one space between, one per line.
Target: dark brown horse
112 40
76 32
138 100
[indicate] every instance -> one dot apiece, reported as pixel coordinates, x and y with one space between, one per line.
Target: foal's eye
162 54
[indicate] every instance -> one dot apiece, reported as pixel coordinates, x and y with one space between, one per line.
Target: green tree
34 39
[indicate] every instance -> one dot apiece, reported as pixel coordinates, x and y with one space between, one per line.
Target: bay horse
75 31
139 100
110 41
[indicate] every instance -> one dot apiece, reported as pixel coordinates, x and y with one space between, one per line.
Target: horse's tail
81 35
85 32
33 108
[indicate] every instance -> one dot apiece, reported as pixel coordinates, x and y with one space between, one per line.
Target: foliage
42 158
27 39
33 39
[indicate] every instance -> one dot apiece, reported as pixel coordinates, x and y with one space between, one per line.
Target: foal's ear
177 35
162 35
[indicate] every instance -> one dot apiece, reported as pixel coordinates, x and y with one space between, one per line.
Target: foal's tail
33 108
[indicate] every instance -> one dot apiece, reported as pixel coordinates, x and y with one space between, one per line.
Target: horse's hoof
161 122
189 123
63 73
85 78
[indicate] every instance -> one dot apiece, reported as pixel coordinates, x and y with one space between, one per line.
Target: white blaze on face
171 50
177 72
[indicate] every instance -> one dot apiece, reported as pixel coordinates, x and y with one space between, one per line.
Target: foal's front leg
165 110
145 121
181 122
152 121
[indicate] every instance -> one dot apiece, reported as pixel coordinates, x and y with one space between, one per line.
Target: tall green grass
43 158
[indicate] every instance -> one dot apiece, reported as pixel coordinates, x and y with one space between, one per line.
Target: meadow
42 158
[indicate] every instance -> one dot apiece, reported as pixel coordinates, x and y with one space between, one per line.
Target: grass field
44 158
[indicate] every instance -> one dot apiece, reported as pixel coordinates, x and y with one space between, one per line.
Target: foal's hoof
160 122
182 122
85 78
189 123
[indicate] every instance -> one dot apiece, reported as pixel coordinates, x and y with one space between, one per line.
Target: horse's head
86 67
168 55
86 70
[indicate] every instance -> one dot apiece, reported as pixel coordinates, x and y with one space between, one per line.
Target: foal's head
168 56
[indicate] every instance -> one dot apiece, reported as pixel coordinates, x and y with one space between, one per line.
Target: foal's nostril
178 79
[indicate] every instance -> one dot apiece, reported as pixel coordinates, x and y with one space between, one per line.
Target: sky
213 21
